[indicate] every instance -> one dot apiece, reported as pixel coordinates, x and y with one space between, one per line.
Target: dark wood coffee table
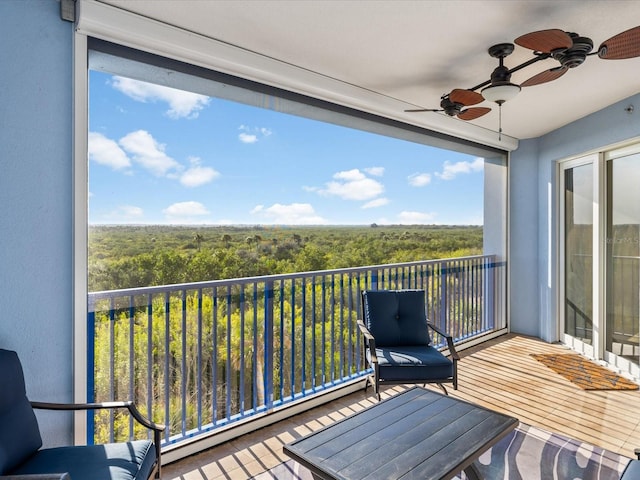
417 434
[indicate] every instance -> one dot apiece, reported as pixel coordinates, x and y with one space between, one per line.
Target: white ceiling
394 55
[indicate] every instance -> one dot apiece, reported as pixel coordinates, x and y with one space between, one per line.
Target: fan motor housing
576 54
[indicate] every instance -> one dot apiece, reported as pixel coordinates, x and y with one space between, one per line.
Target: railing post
91 370
444 302
490 290
268 344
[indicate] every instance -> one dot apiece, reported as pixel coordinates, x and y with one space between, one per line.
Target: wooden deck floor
499 374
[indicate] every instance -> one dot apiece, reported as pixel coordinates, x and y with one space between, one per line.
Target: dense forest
137 256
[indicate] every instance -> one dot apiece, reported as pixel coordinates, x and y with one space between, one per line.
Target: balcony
207 359
499 374
239 367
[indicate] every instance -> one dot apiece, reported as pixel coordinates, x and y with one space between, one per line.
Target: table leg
472 473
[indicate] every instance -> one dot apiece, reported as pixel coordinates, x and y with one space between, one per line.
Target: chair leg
444 389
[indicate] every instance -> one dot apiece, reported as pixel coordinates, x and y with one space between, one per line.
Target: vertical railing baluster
269 343
228 386
241 359
131 360
215 355
112 333
150 361
281 342
313 333
199 362
303 334
292 373
167 354
183 361
333 326
324 323
91 370
254 355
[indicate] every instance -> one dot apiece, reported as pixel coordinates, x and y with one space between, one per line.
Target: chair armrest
37 476
133 410
448 338
636 452
369 340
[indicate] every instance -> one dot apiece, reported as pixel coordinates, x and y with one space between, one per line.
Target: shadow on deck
499 374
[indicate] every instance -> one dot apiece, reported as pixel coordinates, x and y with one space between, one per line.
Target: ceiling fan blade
425 110
621 46
545 41
544 77
465 97
473 113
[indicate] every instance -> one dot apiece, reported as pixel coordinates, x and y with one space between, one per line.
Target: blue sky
163 156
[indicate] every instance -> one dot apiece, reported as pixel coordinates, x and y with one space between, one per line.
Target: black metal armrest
129 405
133 410
448 338
37 476
636 452
369 341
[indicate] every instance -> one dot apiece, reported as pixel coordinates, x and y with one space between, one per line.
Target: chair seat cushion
413 363
114 461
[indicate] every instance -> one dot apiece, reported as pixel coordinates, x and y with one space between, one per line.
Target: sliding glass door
623 258
578 252
600 256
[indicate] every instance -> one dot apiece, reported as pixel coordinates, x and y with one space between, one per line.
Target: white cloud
415 218
198 175
375 171
378 202
352 185
185 212
125 213
451 170
292 214
181 104
247 138
149 153
105 151
419 179
252 135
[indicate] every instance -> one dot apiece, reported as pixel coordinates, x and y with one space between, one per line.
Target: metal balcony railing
200 356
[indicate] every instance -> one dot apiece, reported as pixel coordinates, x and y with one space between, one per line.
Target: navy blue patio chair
397 343
21 455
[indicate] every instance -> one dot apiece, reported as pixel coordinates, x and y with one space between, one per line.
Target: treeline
138 256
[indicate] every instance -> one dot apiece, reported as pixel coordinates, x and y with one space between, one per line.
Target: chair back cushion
19 433
396 317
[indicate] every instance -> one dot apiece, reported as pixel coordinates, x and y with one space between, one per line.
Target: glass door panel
578 252
623 258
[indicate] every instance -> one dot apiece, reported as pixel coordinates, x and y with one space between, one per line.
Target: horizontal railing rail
200 356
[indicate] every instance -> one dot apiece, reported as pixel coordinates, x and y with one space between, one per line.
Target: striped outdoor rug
584 373
528 453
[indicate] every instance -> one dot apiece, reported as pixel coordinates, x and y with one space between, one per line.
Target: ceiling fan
570 49
453 104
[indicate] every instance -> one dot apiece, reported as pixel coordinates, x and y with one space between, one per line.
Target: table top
417 434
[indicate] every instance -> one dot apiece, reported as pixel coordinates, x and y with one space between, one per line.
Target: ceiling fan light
500 92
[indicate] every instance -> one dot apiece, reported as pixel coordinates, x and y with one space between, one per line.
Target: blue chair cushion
19 432
114 461
632 471
413 363
396 317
